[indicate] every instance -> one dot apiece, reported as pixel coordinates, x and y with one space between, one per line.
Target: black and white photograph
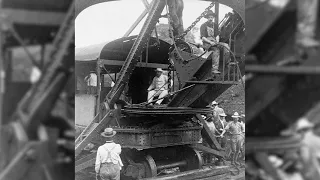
160 90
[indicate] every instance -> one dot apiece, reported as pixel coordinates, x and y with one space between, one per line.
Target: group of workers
219 126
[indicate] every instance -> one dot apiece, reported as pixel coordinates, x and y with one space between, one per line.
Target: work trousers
236 143
154 93
307 19
215 56
109 171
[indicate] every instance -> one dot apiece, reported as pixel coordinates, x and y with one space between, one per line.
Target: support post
98 86
216 18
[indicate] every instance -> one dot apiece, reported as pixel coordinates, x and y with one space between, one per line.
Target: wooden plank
81 145
19 16
209 135
85 162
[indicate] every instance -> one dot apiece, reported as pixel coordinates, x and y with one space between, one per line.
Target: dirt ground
233 100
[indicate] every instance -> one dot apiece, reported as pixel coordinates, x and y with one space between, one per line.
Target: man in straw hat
158 87
310 150
108 162
215 109
236 131
210 38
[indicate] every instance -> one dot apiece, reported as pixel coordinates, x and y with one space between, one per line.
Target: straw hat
159 70
214 103
108 132
304 123
223 114
235 115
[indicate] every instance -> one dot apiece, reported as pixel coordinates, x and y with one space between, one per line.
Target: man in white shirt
310 149
108 162
92 81
158 87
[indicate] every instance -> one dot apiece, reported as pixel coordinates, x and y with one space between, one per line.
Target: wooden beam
85 162
135 24
44 18
209 135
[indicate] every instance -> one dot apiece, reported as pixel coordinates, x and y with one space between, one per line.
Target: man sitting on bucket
158 87
108 162
235 129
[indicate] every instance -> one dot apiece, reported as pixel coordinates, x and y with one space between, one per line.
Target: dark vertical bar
216 20
98 88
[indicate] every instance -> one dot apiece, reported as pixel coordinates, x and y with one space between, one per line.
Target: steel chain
196 21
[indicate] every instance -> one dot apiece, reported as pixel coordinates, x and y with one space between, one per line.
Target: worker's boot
307 23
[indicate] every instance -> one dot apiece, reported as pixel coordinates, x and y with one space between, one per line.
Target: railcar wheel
193 158
150 166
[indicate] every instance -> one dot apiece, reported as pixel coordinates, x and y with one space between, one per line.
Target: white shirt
35 74
103 155
159 82
92 79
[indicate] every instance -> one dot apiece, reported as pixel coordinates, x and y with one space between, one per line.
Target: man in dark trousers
210 38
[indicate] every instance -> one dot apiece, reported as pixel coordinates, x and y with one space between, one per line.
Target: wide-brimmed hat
223 114
108 132
214 103
209 13
159 70
304 123
235 115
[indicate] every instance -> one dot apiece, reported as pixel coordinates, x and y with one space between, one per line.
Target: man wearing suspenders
108 162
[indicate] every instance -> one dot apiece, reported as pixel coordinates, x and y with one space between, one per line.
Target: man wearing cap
108 162
92 82
158 87
236 132
210 38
